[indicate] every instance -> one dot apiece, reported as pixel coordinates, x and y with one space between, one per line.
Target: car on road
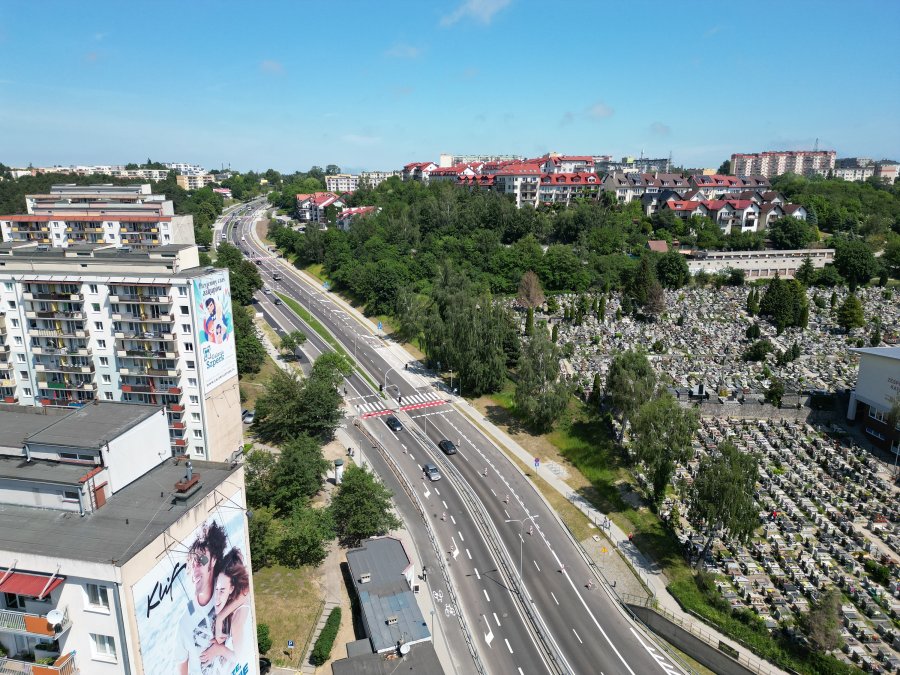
277 301
258 261
248 416
393 423
267 291
432 472
447 447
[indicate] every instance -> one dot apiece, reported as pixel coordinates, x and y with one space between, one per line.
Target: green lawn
252 385
288 600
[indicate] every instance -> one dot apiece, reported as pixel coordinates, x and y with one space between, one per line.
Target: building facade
341 182
877 391
99 323
759 264
115 572
311 208
118 215
775 163
447 160
195 181
373 179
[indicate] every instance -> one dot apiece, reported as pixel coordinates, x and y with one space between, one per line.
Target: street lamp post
521 522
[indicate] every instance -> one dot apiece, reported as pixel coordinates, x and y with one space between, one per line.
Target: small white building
877 389
759 264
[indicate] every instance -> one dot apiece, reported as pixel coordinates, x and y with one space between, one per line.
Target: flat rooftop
90 426
421 659
130 520
887 352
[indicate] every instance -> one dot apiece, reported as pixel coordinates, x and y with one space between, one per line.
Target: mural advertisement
215 329
194 610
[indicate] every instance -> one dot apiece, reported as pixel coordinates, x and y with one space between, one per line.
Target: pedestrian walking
590 584
531 529
444 515
424 573
562 568
506 499
484 473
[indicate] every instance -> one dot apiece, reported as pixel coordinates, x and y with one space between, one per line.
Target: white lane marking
443 502
453 520
468 554
536 565
508 645
496 619
477 576
462 455
460 536
521 673
554 598
486 595
667 667
435 489
492 490
578 636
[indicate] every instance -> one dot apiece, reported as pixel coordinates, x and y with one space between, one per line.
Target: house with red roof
553 163
739 215
311 207
686 208
519 180
562 188
420 171
349 215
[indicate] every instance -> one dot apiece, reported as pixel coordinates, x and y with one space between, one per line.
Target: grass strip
313 323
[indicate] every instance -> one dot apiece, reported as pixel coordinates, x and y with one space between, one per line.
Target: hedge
263 640
322 649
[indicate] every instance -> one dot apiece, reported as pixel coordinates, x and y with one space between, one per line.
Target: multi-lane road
530 599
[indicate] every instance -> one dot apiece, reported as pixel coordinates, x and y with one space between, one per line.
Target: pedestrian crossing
409 401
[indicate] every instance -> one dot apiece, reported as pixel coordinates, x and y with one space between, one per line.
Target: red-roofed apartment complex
311 207
118 215
770 164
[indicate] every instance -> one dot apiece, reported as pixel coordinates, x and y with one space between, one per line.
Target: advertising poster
215 329
194 610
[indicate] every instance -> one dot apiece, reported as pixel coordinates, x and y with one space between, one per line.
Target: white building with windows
375 178
120 215
95 513
341 182
91 323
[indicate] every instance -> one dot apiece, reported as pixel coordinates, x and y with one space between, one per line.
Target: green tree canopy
788 232
248 346
297 474
361 507
854 260
822 624
850 314
672 270
541 394
290 342
630 382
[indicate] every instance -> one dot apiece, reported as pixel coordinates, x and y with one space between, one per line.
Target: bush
322 649
262 637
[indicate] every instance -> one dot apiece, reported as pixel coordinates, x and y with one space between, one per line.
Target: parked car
248 416
432 472
447 447
393 423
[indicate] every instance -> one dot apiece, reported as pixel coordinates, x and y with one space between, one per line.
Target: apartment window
190 365
92 288
195 417
106 379
107 395
188 346
15 323
14 601
195 399
11 303
184 310
17 339
26 391
185 328
98 596
70 496
95 306
198 433
182 291
198 450
101 344
192 381
104 361
876 414
20 358
8 286
98 325
23 374
103 647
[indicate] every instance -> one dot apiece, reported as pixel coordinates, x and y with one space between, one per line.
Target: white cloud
271 67
480 11
600 111
403 51
360 139
660 129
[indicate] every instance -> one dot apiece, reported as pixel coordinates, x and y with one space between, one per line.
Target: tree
629 383
249 350
722 496
297 475
775 392
529 321
361 507
263 531
263 641
303 537
822 624
854 260
530 293
258 466
725 168
672 270
875 340
783 302
656 301
601 310
757 351
291 407
753 331
642 279
662 431
541 394
850 314
788 232
753 302
554 335
332 170
244 277
806 273
291 342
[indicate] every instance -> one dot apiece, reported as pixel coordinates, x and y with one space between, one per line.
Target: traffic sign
537 462
379 325
290 644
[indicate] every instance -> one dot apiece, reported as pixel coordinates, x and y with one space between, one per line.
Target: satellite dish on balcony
55 617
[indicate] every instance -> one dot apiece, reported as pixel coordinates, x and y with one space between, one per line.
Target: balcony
62 402
177 442
67 386
63 368
55 333
176 408
137 389
176 425
64 665
144 335
137 318
140 299
57 297
56 314
7 382
24 623
137 371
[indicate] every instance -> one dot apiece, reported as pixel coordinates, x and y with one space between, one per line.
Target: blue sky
371 85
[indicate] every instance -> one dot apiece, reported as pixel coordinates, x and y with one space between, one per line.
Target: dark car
393 423
447 447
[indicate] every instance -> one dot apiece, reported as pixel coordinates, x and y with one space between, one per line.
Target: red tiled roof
581 177
683 205
112 217
31 585
519 170
356 211
658 245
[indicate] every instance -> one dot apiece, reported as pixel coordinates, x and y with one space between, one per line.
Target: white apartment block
770 164
119 215
521 182
186 169
447 160
98 323
341 182
104 538
375 178
195 181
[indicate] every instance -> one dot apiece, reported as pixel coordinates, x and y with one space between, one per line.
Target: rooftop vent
391 621
365 578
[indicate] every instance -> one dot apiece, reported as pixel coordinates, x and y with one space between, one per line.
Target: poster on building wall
215 329
194 610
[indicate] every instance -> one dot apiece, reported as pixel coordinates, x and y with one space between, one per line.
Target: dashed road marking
554 598
486 594
508 646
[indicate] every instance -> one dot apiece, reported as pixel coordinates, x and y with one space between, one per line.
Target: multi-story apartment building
520 181
375 178
605 164
562 188
420 171
110 547
186 169
447 160
311 208
91 323
120 215
195 181
341 182
863 168
556 163
775 163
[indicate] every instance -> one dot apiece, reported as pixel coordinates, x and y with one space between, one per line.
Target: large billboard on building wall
194 610
215 329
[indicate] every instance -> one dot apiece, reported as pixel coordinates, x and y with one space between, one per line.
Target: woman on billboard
233 616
